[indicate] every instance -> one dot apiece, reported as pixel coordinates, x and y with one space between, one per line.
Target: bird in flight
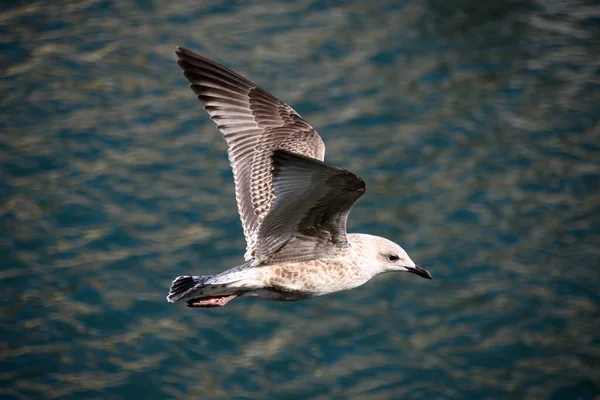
293 206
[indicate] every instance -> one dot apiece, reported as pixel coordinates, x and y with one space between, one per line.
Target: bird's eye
393 258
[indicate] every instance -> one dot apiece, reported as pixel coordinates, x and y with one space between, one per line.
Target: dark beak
422 272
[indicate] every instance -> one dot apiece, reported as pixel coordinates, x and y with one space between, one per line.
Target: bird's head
387 256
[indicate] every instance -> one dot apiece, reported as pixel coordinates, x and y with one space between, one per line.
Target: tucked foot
211 301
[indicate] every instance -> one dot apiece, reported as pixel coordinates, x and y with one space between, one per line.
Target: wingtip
182 53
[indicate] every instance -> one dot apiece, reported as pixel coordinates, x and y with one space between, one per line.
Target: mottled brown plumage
254 123
293 206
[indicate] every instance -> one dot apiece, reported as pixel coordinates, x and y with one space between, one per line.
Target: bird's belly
298 281
278 294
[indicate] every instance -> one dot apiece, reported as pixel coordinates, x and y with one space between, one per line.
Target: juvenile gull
293 206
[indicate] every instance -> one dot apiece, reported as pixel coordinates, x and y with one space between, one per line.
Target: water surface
474 124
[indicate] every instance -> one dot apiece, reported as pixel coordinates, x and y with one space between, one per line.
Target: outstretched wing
254 123
308 218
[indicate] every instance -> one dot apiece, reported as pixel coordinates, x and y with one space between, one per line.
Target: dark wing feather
254 123
308 218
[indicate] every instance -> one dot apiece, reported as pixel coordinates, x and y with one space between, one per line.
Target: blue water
474 124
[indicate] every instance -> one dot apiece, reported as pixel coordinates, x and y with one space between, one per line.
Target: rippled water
475 125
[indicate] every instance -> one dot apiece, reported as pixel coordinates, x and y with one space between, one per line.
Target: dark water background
475 125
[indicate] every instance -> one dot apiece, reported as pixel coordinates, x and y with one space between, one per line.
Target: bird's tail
223 284
184 285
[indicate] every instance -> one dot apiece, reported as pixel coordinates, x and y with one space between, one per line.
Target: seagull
293 206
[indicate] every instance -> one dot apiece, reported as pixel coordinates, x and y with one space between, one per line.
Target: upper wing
253 123
308 218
